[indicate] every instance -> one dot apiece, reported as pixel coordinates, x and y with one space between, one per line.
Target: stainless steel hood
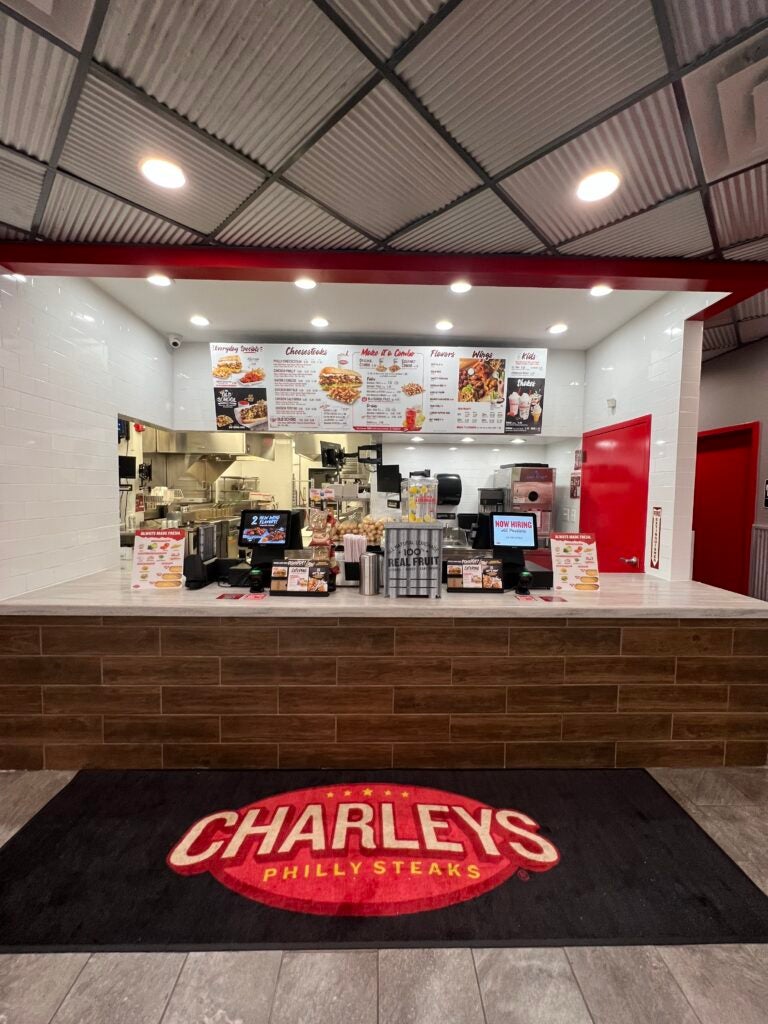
223 445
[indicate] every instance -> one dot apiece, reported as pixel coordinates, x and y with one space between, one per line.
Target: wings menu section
379 388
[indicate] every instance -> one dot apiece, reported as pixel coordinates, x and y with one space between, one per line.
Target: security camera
174 340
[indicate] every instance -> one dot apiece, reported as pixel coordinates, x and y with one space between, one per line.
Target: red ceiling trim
68 259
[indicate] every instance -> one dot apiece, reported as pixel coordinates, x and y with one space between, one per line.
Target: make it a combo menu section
377 388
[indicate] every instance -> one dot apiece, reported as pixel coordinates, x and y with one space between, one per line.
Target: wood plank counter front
426 685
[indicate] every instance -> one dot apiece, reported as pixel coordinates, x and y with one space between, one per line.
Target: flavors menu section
379 388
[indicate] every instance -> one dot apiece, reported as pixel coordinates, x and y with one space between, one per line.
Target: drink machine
530 489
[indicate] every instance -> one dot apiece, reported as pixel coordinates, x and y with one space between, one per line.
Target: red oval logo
363 849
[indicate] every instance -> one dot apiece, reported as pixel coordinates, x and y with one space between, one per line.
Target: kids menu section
378 388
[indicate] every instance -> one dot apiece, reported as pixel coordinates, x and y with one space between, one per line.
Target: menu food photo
377 387
158 560
574 562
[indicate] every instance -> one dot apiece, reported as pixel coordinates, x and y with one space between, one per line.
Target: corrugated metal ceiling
9 234
35 77
754 330
261 76
699 25
382 166
20 182
506 78
279 218
754 307
76 213
718 338
65 19
741 206
480 224
756 250
112 133
645 144
385 24
676 228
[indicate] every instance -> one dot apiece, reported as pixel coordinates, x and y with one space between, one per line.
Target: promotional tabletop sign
363 849
574 561
383 388
158 560
300 577
413 559
467 575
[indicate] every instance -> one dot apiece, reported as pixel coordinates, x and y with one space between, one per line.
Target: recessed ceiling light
598 290
453 449
517 440
159 280
410 448
460 287
199 321
319 321
418 440
21 278
467 440
444 325
305 283
163 173
558 328
598 185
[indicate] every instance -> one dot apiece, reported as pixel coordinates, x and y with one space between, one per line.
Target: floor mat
179 860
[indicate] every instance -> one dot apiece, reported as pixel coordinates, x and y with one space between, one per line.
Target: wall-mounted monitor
126 467
331 455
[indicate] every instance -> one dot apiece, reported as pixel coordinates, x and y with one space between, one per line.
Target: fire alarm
139 428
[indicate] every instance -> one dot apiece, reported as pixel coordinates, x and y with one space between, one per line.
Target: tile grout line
479 987
66 994
675 979
274 990
575 977
173 989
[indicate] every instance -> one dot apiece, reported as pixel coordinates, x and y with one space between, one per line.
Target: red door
724 505
614 493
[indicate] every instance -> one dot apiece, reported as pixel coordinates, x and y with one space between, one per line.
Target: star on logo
387 792
347 792
329 795
367 792
405 793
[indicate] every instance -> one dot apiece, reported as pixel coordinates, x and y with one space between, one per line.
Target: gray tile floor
608 985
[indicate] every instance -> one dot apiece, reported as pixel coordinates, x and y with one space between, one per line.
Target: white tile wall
71 359
651 365
734 389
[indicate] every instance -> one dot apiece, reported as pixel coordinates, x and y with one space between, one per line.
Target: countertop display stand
413 555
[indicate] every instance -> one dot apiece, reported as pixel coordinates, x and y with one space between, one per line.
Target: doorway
724 505
614 493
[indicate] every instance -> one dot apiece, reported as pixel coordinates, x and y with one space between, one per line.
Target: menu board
574 562
476 574
377 388
158 560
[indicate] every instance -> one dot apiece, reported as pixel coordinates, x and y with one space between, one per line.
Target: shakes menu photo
378 387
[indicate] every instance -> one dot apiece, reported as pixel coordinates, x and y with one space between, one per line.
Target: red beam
67 259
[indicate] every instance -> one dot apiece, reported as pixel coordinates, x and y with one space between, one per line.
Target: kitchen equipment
369 575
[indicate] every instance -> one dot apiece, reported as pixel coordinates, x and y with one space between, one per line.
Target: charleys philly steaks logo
363 849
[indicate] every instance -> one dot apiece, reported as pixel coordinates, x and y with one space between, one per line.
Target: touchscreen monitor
514 530
263 529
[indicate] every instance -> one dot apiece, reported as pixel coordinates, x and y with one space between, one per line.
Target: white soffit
35 77
480 224
20 183
385 24
382 165
676 228
740 206
261 76
65 19
644 143
508 77
112 132
76 213
279 218
699 25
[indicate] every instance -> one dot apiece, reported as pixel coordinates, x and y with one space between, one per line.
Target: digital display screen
515 530
263 529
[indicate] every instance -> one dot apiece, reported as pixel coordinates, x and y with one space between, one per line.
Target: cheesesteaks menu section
377 388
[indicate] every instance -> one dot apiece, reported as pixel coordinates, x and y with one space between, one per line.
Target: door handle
629 561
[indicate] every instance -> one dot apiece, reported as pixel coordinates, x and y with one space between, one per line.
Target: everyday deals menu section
378 387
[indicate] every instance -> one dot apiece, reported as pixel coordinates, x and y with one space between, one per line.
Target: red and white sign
574 562
158 560
363 849
655 560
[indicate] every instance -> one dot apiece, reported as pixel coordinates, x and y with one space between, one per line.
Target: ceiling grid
426 125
